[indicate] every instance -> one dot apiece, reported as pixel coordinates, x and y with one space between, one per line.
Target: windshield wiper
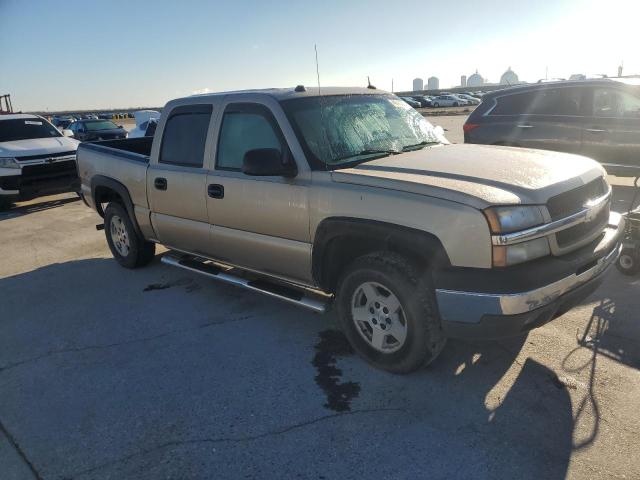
369 151
417 146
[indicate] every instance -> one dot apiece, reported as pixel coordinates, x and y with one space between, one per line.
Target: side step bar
211 270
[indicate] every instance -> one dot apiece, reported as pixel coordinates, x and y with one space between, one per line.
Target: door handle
596 130
524 126
215 190
160 183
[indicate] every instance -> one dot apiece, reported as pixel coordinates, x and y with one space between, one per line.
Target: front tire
436 105
387 309
128 248
5 204
628 262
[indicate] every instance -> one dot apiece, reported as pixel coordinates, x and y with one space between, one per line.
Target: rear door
260 223
176 181
548 119
612 135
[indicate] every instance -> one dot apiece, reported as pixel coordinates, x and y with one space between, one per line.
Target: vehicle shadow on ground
21 210
478 412
507 417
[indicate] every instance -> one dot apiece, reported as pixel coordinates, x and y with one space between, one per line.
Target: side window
517 104
244 128
185 135
548 101
614 103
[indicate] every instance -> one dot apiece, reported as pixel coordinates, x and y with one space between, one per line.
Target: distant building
475 80
509 78
418 84
433 83
463 81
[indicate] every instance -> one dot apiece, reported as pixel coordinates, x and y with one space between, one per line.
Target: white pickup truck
35 159
352 199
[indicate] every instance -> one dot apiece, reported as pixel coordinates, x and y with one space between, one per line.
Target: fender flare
102 181
418 242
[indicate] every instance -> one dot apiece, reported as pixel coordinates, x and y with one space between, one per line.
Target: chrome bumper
470 307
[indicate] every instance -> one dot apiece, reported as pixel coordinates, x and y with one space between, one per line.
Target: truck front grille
573 201
574 235
47 171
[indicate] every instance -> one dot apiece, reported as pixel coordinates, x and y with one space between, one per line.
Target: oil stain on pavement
334 344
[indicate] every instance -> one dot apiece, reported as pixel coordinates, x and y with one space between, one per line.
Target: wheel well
334 251
104 194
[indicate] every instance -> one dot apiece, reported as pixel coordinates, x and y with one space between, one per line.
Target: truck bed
136 149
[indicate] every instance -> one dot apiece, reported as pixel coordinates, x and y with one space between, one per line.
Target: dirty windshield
340 130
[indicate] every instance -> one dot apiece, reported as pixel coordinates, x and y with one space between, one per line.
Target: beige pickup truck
350 198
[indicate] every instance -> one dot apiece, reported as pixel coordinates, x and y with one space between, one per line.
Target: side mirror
67 133
267 162
120 126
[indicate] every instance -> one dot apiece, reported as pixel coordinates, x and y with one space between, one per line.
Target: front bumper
472 314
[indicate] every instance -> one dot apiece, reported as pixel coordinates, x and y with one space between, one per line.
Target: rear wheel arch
107 190
339 241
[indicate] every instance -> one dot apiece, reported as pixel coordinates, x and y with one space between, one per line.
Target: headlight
510 219
503 256
513 218
8 162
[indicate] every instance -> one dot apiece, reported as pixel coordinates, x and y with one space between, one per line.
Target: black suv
597 118
87 130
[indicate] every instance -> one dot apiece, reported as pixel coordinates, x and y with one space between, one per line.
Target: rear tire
127 247
629 261
456 104
382 295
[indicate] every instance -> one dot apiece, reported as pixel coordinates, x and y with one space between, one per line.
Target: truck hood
477 175
37 146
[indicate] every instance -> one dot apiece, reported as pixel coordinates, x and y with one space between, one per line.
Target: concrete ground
108 373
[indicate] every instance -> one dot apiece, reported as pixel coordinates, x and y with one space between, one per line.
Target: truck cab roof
294 92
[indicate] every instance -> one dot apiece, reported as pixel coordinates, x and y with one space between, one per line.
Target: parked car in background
423 100
62 123
597 118
143 117
448 101
35 159
357 200
87 130
411 101
470 100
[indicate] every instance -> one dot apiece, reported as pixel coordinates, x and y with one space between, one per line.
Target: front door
176 183
612 135
260 223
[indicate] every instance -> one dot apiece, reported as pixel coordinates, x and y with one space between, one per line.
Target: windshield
26 129
102 125
338 130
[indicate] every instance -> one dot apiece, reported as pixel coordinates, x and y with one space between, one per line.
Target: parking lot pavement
108 373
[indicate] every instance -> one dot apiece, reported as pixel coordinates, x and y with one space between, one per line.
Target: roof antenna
315 46
372 87
322 126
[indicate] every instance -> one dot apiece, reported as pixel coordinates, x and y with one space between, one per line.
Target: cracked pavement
100 379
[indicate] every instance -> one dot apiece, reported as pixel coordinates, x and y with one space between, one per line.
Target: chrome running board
209 269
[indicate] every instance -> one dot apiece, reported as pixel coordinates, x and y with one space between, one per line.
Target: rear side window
245 127
550 101
185 136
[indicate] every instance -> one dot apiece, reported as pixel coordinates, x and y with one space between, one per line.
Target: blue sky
98 54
